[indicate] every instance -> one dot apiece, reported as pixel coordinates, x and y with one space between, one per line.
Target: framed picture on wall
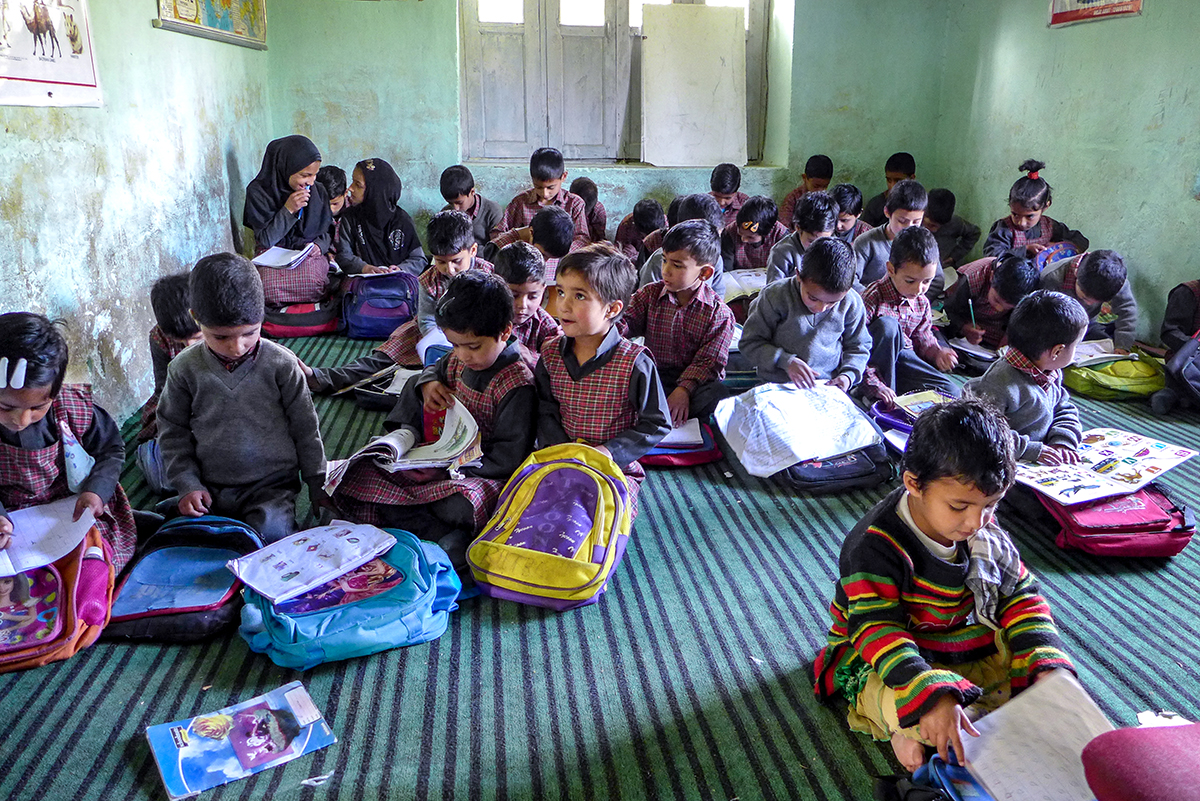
1068 12
239 22
46 56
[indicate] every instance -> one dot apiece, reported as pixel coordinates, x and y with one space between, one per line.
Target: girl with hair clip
377 235
285 206
54 442
1027 231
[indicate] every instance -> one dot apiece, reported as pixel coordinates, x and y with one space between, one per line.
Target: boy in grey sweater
810 327
815 216
236 423
1094 279
1043 332
905 208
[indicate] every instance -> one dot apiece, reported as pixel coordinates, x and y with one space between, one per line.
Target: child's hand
437 396
801 374
1034 248
1064 453
318 496
371 269
89 500
195 503
1049 456
1122 351
886 396
940 727
297 200
972 334
946 360
842 382
6 530
304 368
679 402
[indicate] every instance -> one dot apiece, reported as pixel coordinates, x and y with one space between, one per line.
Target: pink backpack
1144 523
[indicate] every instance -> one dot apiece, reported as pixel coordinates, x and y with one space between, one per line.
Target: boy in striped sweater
936 621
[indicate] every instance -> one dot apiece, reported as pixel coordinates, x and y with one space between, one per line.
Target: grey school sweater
218 428
1123 304
785 258
873 250
1037 416
780 326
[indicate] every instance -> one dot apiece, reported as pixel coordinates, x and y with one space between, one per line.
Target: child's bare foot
910 752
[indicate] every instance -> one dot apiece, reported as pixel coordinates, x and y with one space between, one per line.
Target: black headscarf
269 191
380 231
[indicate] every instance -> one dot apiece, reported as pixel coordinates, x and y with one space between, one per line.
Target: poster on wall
46 56
239 22
1068 12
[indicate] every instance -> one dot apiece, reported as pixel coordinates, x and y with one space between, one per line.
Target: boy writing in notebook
987 290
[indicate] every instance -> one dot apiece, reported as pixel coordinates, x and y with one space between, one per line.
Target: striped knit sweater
897 608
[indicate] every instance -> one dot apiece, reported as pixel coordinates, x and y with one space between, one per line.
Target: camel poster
46 56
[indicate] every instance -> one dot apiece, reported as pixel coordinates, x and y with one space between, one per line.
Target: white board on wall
693 85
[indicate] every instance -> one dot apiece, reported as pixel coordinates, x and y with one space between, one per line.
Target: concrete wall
95 204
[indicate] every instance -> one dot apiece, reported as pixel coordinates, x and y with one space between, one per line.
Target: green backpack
1120 380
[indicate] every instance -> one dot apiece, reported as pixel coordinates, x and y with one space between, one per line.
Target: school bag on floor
559 530
403 597
863 468
1148 522
302 320
66 604
177 588
686 456
955 783
376 305
1120 380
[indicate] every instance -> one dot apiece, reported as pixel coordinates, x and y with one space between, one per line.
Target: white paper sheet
685 436
282 258
43 534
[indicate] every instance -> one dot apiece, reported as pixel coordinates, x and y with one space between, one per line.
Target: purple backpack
376 305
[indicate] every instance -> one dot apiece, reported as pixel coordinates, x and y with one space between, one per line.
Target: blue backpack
376 305
402 598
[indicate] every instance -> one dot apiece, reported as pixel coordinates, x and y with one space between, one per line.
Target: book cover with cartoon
209 750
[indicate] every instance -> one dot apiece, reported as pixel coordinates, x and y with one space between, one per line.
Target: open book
1114 462
283 258
44 534
1098 351
685 436
744 283
978 351
912 404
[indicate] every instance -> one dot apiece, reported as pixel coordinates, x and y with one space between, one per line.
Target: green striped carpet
687 681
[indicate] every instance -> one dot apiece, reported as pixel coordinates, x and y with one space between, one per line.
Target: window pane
581 12
742 4
512 11
635 10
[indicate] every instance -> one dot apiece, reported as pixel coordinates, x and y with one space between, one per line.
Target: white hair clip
3 372
18 376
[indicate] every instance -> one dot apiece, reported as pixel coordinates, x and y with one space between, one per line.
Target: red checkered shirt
735 205
307 282
694 337
653 241
978 275
628 238
597 222
1039 376
1023 239
522 209
788 208
753 257
914 316
533 333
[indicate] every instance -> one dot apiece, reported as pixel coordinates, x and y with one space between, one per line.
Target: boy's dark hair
701 206
941 206
172 307
225 291
605 269
673 209
848 198
966 439
520 263
1044 319
546 164
698 237
648 215
1101 275
816 213
726 179
1030 191
830 264
37 340
759 213
475 303
914 245
586 189
333 178
456 181
819 167
902 163
449 232
554 230
908 195
1014 277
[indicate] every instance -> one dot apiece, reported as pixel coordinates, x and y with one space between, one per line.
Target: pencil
971 306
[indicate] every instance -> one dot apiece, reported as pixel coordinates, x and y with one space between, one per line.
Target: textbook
283 258
1114 462
685 436
913 403
200 753
744 283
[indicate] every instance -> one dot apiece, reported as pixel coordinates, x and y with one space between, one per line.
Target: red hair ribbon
1033 176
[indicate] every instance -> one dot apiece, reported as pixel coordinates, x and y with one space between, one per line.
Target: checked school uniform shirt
533 333
628 238
522 209
881 299
693 338
750 257
1004 238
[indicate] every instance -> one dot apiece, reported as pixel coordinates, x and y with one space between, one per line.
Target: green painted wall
96 203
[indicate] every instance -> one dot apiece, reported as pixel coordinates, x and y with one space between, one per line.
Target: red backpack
1143 523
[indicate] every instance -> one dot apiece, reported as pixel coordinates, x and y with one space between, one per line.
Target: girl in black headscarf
380 235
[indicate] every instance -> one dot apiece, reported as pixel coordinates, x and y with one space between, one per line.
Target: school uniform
915 629
650 243
535 332
504 404
730 212
1038 407
1062 277
378 230
1181 319
875 210
628 238
615 399
32 466
873 251
689 343
780 326
524 207
955 239
785 257
597 221
506 238
651 271
245 430
162 350
485 219
859 228
904 348
741 256
974 284
788 208
1004 238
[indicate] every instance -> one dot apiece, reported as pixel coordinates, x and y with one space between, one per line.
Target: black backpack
866 467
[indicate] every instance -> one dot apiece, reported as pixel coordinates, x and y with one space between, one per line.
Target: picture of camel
39 24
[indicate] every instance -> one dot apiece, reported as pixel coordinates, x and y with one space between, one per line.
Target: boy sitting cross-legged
935 620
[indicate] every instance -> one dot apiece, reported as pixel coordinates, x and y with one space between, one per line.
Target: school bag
1120 380
1155 763
863 468
559 530
403 597
1148 522
176 588
302 320
1184 368
376 305
67 603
